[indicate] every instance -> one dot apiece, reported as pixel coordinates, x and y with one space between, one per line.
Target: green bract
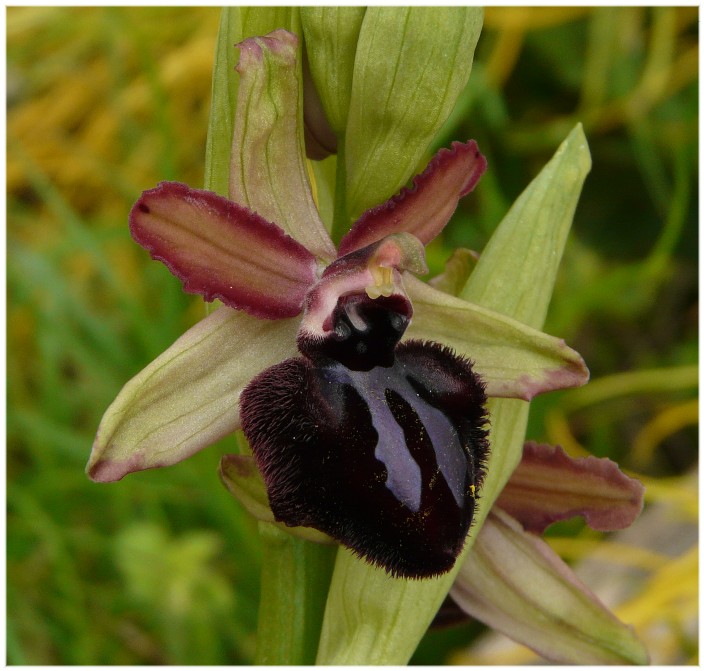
410 67
515 276
331 45
388 79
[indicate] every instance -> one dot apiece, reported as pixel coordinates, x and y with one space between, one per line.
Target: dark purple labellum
379 445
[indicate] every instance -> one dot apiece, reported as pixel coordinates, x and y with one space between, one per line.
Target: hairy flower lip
156 444
327 257
386 460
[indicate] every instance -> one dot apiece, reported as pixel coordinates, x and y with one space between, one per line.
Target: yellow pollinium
383 281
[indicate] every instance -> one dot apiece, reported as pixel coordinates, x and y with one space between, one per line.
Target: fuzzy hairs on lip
378 444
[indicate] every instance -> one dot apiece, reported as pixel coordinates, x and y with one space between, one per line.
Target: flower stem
340 220
295 580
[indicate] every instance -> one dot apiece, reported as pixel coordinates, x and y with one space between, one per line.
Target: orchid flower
377 443
361 389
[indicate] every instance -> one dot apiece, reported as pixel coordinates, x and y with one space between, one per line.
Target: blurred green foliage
163 568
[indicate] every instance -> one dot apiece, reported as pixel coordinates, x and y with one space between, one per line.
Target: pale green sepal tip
514 582
515 360
188 397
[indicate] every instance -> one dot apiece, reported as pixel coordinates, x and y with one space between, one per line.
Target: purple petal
222 250
514 582
426 207
549 486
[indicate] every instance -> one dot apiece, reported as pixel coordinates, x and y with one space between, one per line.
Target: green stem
295 580
340 219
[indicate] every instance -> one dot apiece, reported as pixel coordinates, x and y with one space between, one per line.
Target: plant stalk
295 580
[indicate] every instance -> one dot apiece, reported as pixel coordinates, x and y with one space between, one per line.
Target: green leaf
410 67
222 106
515 276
